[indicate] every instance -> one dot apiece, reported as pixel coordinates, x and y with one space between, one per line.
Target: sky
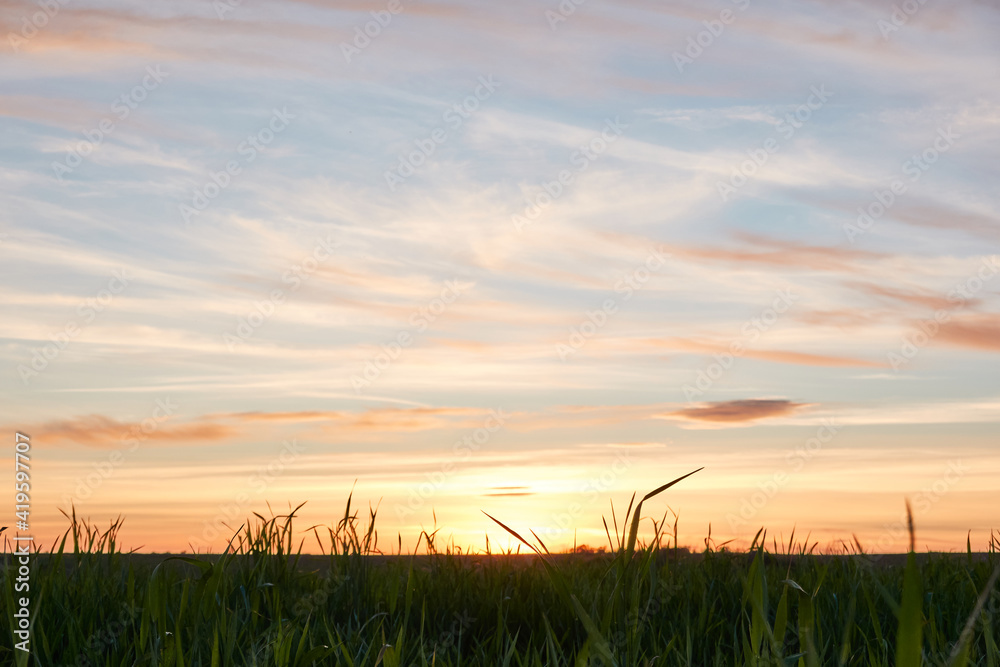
518 258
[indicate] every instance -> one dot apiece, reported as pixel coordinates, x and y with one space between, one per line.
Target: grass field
644 602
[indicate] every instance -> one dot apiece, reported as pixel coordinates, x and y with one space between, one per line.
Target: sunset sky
525 258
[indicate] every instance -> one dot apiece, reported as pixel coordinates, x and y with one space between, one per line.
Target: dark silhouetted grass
263 603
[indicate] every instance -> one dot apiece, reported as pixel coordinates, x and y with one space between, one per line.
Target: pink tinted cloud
746 410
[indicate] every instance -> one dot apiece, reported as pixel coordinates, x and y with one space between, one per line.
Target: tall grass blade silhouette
909 641
634 530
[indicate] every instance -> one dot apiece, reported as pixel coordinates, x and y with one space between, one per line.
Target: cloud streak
102 432
979 332
740 411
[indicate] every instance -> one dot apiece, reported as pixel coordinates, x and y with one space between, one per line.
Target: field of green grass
644 602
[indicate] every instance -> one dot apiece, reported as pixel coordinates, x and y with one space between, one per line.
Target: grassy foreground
638 605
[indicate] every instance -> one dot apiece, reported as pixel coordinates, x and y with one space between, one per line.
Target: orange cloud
509 491
373 420
739 411
780 356
921 298
759 250
842 317
110 32
775 252
408 419
284 417
981 332
811 359
102 432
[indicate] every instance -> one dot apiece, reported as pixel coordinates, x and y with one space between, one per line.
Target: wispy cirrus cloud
912 296
766 251
778 356
655 188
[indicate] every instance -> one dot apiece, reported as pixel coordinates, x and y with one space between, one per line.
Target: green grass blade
960 654
634 529
909 639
